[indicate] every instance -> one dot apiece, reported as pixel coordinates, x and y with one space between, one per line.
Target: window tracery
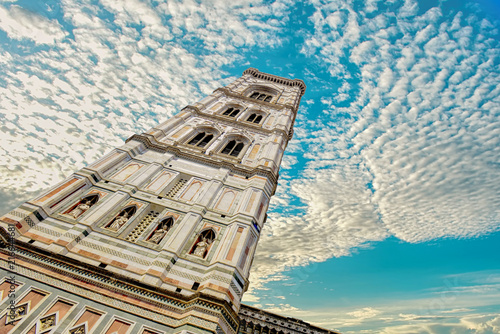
261 96
231 112
233 148
201 139
254 118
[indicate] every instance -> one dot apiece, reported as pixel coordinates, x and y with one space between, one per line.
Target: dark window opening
261 96
201 139
178 290
254 118
196 285
231 112
233 148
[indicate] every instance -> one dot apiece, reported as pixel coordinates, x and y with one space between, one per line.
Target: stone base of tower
44 295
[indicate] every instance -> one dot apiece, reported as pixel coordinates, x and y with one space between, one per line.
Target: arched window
161 230
203 243
254 118
261 96
82 206
201 139
231 112
121 218
233 148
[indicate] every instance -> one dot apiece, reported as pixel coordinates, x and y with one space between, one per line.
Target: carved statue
81 208
20 311
47 323
119 222
158 235
201 247
79 330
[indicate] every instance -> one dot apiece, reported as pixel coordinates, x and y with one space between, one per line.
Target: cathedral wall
71 308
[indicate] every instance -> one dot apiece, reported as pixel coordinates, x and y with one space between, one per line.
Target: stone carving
119 222
78 330
80 209
82 206
158 235
19 312
47 322
203 244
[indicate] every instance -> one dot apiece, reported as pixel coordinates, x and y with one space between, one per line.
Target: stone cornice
120 284
274 78
279 323
225 120
228 92
150 142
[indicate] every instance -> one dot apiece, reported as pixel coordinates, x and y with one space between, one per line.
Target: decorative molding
118 284
268 322
274 78
227 121
150 142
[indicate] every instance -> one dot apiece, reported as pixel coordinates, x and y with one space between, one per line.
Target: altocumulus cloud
407 145
83 84
20 23
411 150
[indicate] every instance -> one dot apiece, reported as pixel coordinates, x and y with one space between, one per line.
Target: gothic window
231 112
80 207
121 218
203 243
233 148
201 139
161 230
254 118
261 96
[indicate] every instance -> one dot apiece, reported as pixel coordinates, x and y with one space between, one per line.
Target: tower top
274 78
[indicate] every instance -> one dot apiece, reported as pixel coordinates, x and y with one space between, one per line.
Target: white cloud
416 159
20 23
67 105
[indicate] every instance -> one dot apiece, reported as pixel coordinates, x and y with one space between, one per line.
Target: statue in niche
161 231
201 247
158 235
119 222
203 244
80 208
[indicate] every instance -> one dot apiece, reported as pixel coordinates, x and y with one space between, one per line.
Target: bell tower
158 236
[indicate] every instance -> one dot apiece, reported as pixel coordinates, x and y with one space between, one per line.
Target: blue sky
386 218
